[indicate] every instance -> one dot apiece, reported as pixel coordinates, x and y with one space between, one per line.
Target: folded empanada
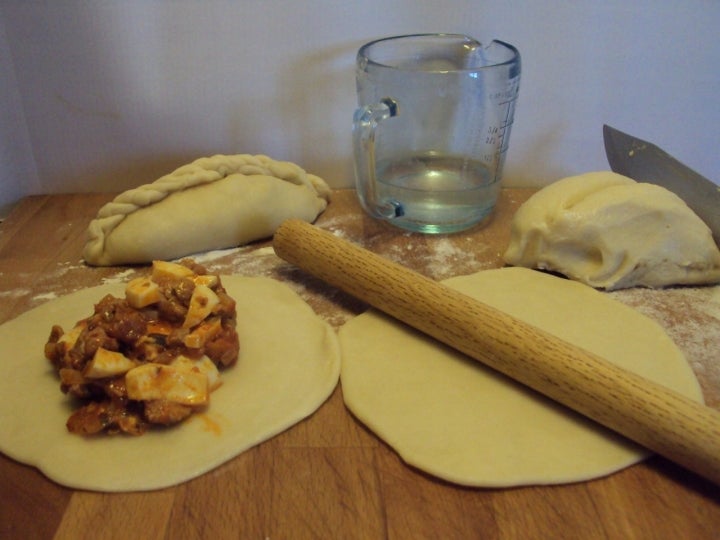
212 203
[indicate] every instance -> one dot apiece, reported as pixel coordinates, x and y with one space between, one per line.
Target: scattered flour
120 277
691 317
447 259
14 293
212 256
338 224
45 297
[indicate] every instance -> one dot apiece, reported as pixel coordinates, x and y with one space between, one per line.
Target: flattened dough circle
275 384
453 418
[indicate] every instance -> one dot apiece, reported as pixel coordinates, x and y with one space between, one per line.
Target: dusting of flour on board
13 293
248 260
691 317
120 277
67 277
449 259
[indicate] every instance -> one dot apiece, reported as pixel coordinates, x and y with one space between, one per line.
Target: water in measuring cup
436 193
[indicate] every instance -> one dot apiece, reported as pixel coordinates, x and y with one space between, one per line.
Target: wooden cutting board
329 477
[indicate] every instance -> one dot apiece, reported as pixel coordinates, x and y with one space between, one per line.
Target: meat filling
151 358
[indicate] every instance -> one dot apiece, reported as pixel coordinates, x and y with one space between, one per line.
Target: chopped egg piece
69 338
210 280
207 330
205 365
142 292
166 269
202 302
176 383
107 363
159 327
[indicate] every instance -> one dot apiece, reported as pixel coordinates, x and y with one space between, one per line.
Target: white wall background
107 95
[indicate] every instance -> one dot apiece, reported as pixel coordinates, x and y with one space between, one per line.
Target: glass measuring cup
432 128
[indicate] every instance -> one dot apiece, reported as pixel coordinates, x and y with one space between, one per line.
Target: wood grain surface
329 477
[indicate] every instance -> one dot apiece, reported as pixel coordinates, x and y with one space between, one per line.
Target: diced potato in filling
150 358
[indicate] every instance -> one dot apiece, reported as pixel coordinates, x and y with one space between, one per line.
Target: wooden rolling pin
652 415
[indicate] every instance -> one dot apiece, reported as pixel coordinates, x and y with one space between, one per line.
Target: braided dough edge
205 170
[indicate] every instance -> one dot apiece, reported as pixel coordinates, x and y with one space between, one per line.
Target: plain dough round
453 418
275 384
608 231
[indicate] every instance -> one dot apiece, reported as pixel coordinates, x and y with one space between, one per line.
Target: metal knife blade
645 162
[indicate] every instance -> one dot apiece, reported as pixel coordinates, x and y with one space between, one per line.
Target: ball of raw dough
610 232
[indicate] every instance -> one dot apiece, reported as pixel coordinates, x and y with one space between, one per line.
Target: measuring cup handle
365 123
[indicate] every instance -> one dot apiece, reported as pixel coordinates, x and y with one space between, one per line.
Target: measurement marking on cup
436 167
